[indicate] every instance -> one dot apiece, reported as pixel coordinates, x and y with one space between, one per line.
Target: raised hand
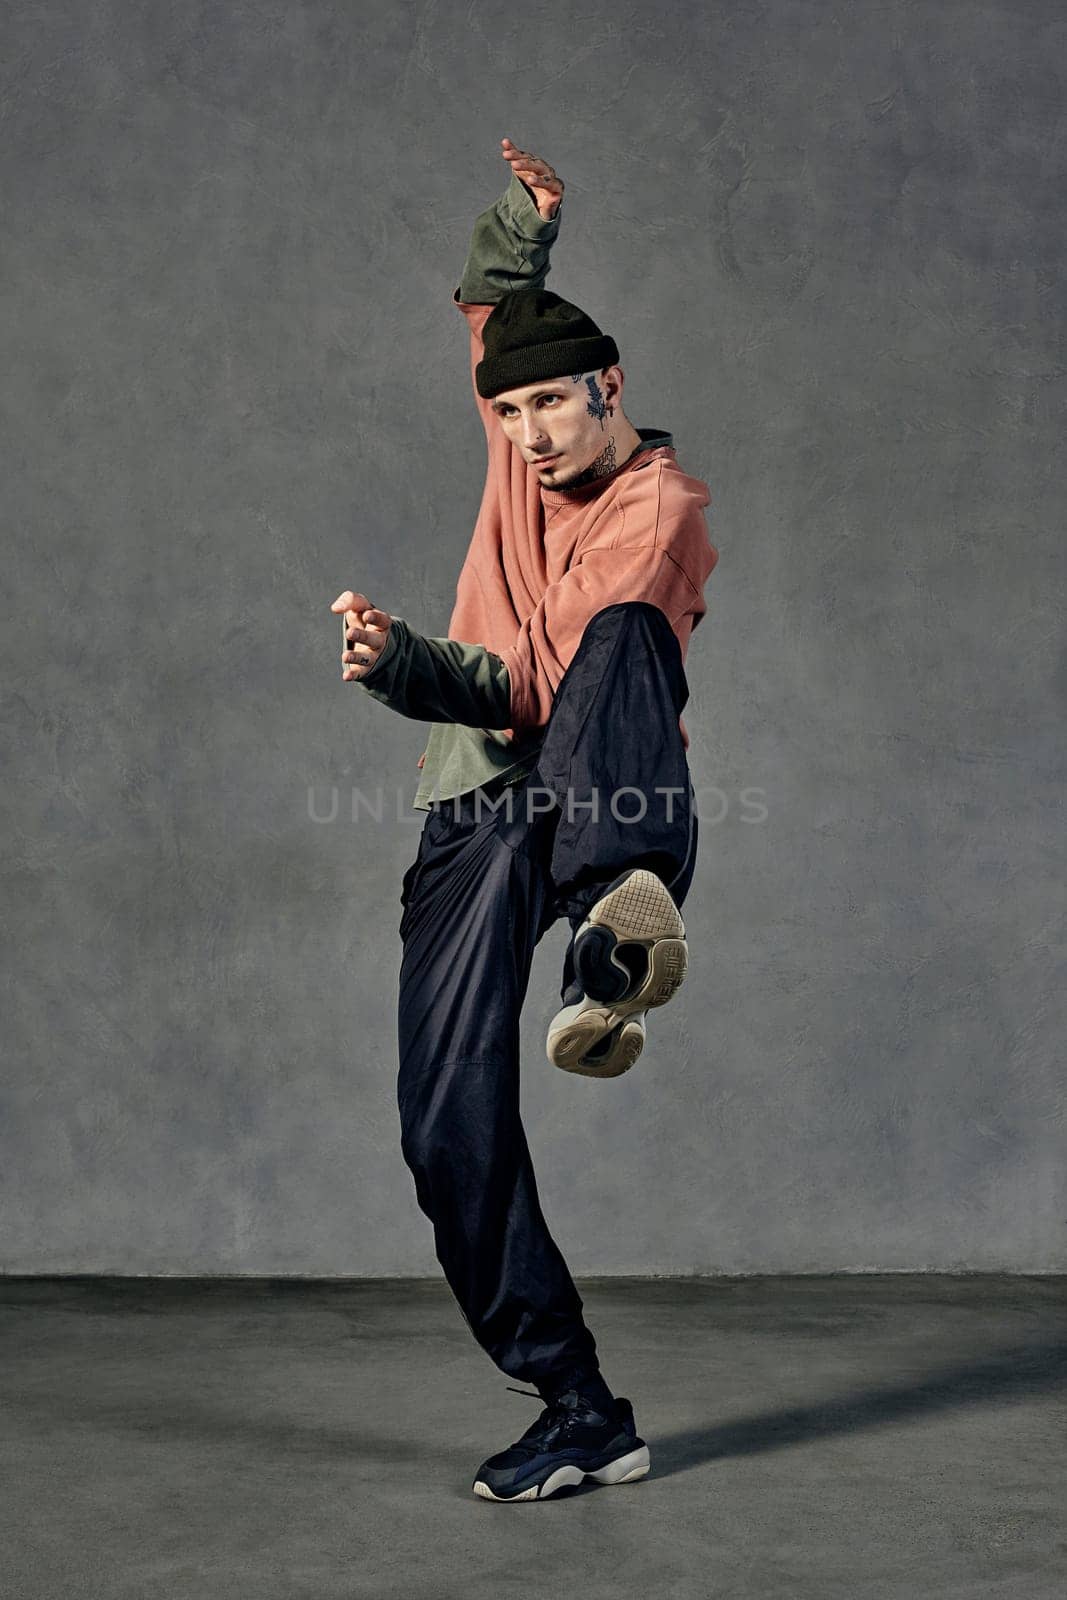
548 189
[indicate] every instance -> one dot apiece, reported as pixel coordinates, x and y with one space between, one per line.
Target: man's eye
510 412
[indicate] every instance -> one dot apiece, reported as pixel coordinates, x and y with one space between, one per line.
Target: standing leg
474 909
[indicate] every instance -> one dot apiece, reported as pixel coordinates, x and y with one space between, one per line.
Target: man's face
559 426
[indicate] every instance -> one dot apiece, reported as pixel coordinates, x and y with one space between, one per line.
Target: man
556 784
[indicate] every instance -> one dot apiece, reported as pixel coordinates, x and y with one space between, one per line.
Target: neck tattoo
607 461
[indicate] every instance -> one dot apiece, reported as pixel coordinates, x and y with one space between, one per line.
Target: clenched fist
364 631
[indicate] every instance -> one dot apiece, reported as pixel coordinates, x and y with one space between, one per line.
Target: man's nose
532 433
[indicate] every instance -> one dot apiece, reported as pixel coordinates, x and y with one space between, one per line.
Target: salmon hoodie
541 561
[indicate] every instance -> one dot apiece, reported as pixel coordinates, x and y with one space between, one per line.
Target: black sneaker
570 1440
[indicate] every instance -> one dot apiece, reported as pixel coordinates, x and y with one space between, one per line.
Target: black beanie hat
533 334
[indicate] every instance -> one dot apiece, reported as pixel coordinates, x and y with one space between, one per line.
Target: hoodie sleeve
550 636
439 680
509 247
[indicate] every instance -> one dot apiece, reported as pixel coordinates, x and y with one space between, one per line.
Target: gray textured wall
830 243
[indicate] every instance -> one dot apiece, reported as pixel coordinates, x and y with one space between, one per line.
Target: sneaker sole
568 1049
641 911
624 1469
668 962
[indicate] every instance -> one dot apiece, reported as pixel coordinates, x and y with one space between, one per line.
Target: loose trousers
495 869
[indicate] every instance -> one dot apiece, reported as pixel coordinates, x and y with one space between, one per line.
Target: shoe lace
554 1413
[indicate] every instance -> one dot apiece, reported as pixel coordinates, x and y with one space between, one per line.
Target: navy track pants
495 869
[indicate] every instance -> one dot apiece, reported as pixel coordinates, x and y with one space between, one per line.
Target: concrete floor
892 1436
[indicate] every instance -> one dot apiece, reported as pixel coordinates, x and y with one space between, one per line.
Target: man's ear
616 399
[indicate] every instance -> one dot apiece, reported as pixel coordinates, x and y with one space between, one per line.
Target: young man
556 784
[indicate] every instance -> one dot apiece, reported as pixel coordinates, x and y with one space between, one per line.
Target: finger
539 180
348 601
521 164
527 157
